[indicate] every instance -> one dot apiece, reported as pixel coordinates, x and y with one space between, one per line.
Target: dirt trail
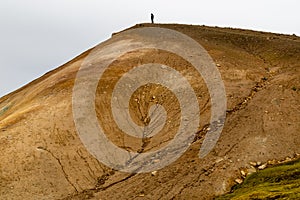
43 158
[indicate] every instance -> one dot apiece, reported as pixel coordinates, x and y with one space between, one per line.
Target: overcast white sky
39 35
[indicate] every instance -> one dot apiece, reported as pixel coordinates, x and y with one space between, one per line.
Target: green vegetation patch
278 182
4 109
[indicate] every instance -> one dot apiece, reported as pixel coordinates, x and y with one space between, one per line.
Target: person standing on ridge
152 18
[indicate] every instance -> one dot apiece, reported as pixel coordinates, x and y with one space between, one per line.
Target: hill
43 157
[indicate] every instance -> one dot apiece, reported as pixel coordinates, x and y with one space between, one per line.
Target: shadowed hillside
43 158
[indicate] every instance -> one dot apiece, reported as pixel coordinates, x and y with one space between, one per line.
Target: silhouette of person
152 18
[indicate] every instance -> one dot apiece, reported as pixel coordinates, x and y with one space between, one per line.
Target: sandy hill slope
42 156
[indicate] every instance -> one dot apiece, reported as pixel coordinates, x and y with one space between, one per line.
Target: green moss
278 182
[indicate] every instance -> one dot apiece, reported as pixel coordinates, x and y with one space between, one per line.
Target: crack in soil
89 193
61 166
114 183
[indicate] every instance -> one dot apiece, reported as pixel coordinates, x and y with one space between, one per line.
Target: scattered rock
153 173
247 171
243 172
287 159
258 163
39 148
251 170
239 181
263 166
219 160
272 162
